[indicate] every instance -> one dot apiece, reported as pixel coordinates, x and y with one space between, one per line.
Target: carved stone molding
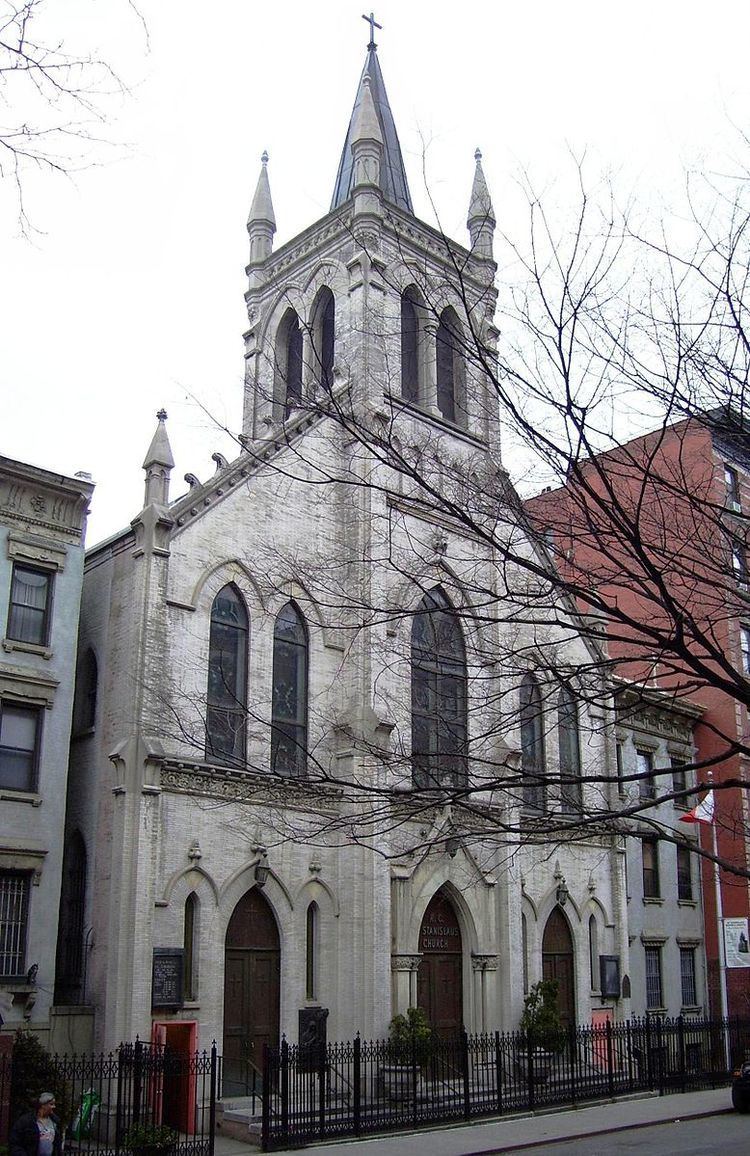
405 962
483 962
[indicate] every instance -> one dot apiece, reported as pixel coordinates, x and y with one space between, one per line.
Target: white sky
131 296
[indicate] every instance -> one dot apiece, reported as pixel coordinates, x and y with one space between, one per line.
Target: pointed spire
261 223
481 219
392 178
158 465
365 123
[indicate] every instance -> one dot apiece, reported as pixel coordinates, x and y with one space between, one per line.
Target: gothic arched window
594 953
289 719
289 363
570 753
450 369
70 945
324 337
410 343
227 678
438 695
311 952
189 929
532 745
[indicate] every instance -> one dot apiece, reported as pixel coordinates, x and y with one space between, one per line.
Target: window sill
11 644
7 795
687 902
656 1011
691 1009
653 900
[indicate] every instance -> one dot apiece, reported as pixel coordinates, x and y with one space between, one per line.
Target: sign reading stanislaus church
440 930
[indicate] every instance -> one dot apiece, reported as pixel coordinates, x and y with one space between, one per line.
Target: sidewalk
517 1132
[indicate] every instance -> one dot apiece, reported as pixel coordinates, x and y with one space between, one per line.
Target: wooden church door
251 990
557 963
440 976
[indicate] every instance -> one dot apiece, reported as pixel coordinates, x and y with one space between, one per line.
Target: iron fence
137 1101
360 1087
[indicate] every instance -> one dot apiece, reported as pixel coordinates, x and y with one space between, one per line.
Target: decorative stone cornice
405 962
483 962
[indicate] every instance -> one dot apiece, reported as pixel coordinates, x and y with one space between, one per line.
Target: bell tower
370 302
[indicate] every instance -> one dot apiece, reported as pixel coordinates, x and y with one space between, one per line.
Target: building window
653 978
410 342
525 952
570 753
289 721
687 977
745 647
438 695
620 767
70 946
644 761
14 921
324 337
594 953
450 369
20 728
28 616
684 873
311 952
679 781
289 364
739 563
532 746
189 928
650 853
227 678
732 483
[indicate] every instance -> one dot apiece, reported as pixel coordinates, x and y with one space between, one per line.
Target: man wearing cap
37 1133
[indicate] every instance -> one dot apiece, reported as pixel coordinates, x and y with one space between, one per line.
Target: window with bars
28 614
684 873
644 761
650 853
19 746
14 920
687 977
653 977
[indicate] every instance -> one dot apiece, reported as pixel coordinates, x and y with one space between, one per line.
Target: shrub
541 1017
149 1137
409 1036
33 1072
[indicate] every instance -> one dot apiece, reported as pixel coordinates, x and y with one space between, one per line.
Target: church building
318 715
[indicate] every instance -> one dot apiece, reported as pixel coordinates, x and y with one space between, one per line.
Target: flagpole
719 927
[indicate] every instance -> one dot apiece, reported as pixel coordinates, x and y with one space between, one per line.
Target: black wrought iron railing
140 1097
360 1087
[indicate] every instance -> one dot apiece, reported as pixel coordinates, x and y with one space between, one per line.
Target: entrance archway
440 975
251 990
557 963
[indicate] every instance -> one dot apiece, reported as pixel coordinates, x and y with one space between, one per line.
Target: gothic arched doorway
557 963
439 980
251 990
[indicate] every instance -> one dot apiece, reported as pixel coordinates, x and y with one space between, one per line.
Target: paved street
726 1133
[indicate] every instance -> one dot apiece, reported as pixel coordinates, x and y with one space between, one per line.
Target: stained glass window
289 722
409 349
570 753
532 746
438 695
227 678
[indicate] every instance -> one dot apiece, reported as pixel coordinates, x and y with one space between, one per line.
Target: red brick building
652 538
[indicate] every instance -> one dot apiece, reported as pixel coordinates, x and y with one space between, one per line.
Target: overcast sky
130 296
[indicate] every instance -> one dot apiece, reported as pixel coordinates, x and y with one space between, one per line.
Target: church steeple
393 181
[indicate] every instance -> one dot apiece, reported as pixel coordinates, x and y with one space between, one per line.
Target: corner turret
481 219
261 223
158 465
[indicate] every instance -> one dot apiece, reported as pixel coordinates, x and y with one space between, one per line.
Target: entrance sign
167 975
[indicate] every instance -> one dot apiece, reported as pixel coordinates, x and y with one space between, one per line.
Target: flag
703 812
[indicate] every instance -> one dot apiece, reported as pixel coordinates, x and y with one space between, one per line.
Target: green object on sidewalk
89 1105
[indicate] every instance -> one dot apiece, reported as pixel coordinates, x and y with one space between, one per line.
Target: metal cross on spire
373 25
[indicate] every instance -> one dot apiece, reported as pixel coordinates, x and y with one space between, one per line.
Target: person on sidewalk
37 1133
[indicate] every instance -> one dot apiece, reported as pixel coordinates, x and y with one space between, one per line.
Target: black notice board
166 981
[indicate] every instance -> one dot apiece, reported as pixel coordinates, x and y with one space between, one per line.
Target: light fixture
562 893
262 870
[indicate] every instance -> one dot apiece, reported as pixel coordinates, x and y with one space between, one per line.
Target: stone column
404 969
484 1017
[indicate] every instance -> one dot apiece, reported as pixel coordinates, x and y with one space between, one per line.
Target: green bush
149 1137
409 1036
541 1017
34 1072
